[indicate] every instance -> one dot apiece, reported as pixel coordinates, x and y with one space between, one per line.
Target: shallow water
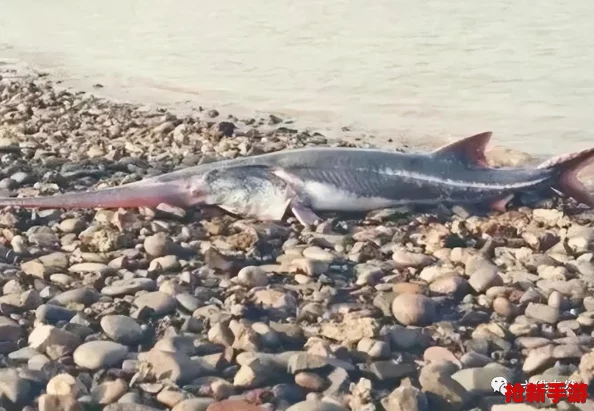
410 71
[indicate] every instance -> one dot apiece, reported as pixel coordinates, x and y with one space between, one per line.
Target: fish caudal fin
568 167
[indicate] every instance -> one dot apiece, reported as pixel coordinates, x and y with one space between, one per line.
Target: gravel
160 309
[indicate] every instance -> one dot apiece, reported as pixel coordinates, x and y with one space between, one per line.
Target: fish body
358 180
309 180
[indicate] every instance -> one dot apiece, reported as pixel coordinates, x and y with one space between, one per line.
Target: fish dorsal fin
470 150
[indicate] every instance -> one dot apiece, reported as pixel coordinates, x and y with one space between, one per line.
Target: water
416 71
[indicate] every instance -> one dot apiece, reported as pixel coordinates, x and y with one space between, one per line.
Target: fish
311 180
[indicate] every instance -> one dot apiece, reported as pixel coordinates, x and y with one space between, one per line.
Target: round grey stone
159 301
131 286
95 355
121 329
13 387
84 295
9 330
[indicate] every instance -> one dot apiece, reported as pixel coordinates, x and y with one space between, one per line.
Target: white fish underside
327 197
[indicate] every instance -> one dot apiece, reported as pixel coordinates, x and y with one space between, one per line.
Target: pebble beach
196 310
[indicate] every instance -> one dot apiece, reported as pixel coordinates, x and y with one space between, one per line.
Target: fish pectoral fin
305 215
302 213
469 150
273 212
230 209
501 204
269 212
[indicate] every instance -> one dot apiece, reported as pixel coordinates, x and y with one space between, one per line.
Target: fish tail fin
132 196
568 166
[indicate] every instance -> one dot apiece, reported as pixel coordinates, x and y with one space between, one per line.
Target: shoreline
172 309
501 155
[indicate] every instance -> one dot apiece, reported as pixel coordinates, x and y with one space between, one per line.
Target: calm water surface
407 70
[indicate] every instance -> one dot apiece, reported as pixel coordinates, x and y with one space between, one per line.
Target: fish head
244 190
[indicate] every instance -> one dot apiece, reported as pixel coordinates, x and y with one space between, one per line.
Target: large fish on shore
311 180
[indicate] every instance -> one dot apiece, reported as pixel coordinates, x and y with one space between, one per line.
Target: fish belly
328 197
